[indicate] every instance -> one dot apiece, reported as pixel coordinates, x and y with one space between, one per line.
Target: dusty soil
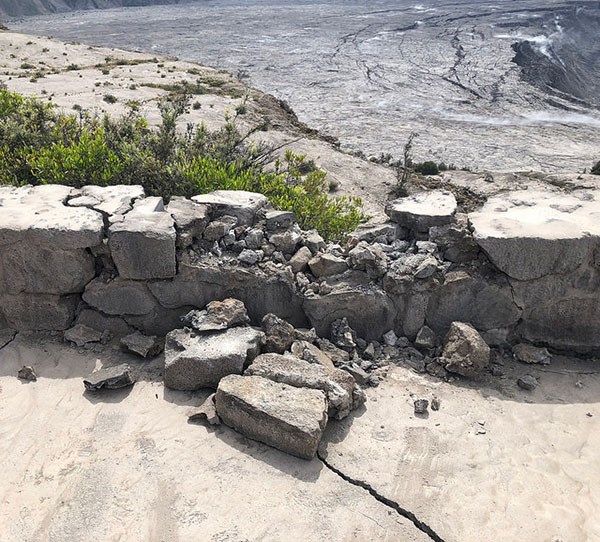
494 463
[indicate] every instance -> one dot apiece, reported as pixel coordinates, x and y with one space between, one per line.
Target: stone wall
523 268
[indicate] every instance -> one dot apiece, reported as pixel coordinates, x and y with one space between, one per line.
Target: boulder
277 220
299 261
110 378
309 352
426 338
423 210
327 265
313 241
190 219
455 241
27 373
376 232
142 345
287 240
369 258
218 315
288 418
279 335
465 352
194 361
219 228
143 244
302 374
245 206
250 257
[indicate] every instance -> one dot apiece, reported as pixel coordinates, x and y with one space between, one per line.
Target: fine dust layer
494 463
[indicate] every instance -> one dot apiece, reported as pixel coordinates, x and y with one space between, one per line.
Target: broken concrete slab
110 378
243 205
217 315
423 210
143 345
465 352
288 418
302 374
195 361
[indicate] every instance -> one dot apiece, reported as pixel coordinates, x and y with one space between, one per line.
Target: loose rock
421 406
81 335
342 335
465 352
279 334
527 382
27 373
110 378
206 412
217 315
142 345
531 354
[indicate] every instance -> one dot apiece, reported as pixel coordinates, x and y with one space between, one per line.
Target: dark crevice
10 339
422 526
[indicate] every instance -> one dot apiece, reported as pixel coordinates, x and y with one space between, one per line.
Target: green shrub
40 146
427 168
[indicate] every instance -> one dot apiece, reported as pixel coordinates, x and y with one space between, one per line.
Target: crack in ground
422 526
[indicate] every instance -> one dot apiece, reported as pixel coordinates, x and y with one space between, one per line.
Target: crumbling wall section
114 259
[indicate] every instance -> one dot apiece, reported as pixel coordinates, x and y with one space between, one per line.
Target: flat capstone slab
238 203
423 210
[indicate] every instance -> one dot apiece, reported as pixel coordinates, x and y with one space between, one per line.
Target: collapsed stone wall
114 259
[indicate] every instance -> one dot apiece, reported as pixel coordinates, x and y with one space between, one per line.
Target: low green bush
39 145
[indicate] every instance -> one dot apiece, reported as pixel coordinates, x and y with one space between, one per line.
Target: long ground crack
422 526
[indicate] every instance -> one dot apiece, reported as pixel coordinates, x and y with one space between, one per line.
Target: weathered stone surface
245 206
326 265
143 244
299 261
527 382
276 220
426 338
38 216
44 270
286 241
218 315
190 219
110 378
193 362
484 300
309 352
465 352
370 312
142 345
119 297
262 290
455 241
112 201
206 412
250 257
302 374
313 241
39 311
423 210
217 229
81 335
6 336
528 353
369 258
279 335
97 320
342 335
530 234
287 418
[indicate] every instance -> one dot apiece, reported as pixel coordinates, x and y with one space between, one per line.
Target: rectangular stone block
287 418
39 312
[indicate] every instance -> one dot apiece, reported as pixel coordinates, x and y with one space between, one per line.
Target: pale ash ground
373 72
495 463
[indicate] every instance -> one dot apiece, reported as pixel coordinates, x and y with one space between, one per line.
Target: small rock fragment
421 406
426 338
531 354
435 403
342 335
465 352
205 413
27 373
390 338
217 315
527 382
110 378
81 335
142 345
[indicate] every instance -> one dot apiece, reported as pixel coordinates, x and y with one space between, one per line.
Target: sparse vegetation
39 145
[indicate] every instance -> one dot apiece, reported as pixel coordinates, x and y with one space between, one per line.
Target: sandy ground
494 463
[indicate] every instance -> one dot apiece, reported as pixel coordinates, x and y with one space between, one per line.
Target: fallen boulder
465 352
27 373
142 345
81 335
195 361
279 335
288 418
217 315
302 374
